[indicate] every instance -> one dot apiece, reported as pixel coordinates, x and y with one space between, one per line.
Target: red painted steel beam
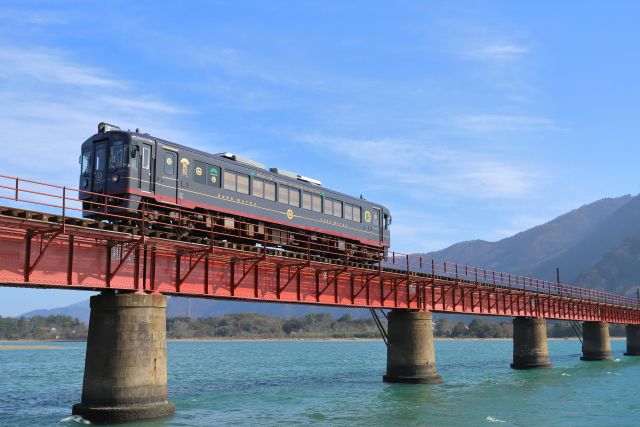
81 258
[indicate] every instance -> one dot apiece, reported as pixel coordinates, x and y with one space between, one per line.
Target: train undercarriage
214 225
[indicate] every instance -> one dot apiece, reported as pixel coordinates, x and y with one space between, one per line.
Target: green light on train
214 170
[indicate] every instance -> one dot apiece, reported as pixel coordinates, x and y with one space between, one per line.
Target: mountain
535 252
79 310
618 271
584 253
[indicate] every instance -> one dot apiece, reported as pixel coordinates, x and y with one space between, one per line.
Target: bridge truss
43 244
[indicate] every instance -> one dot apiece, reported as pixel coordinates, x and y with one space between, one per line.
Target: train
123 173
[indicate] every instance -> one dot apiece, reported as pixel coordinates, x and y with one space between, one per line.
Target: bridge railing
69 202
486 277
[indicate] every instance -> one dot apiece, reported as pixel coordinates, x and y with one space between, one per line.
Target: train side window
356 214
270 191
258 187
214 176
146 155
294 197
386 222
328 206
348 211
283 194
243 183
200 175
133 158
86 162
168 163
306 200
317 203
229 180
337 208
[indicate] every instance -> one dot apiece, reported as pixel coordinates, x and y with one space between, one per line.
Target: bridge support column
530 350
596 344
633 340
411 357
125 374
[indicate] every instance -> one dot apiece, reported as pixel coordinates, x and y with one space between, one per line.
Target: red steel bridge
45 244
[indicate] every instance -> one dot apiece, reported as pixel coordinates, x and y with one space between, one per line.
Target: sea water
340 384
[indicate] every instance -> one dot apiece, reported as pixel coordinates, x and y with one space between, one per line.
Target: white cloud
50 104
127 104
498 51
492 123
50 67
426 166
17 16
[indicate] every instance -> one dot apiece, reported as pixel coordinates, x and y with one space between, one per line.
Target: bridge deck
45 250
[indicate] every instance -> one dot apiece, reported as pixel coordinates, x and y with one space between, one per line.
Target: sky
467 119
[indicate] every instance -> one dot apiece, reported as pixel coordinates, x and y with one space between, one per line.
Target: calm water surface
340 384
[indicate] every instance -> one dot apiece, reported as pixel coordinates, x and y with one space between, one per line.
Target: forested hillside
595 246
583 254
521 253
618 271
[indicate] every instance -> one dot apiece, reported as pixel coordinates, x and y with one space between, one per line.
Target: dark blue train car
140 168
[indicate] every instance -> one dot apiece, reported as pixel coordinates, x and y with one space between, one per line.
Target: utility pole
189 308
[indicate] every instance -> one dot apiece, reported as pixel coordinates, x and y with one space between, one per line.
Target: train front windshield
118 155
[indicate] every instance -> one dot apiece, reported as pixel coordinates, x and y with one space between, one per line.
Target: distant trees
460 330
617 330
51 327
443 327
564 330
478 328
561 330
252 325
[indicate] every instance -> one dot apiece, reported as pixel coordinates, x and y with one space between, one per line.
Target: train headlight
85 183
115 178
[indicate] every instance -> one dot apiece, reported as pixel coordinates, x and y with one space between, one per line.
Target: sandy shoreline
30 347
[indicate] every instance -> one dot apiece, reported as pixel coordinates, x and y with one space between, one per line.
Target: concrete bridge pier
125 374
530 350
596 344
633 340
411 358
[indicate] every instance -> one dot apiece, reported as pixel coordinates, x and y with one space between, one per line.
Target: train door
99 167
169 175
145 168
377 223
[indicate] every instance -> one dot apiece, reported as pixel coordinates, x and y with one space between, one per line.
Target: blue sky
469 120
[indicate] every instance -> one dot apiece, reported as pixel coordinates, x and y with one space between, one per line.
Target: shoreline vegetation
261 327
